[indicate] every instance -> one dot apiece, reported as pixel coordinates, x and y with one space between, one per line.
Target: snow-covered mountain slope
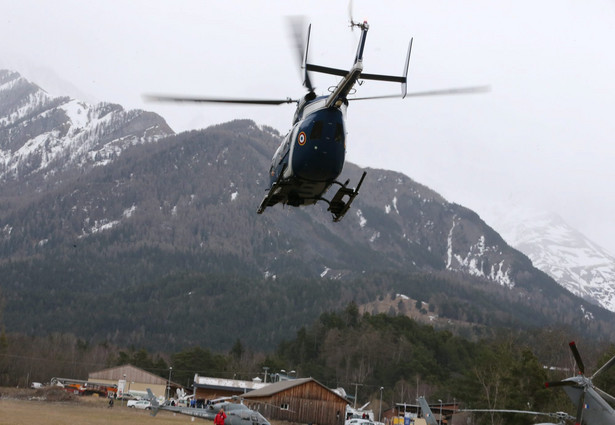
575 262
41 134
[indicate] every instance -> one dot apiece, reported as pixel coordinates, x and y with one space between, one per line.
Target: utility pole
356 386
380 414
169 385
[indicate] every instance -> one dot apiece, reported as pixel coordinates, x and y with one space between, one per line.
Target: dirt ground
57 407
30 407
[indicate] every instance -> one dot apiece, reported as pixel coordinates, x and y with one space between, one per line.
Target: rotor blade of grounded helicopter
605 395
577 357
604 367
560 384
165 98
464 90
580 407
529 412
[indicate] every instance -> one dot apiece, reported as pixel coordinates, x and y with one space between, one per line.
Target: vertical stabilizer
427 413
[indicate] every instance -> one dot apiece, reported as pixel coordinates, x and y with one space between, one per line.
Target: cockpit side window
316 131
339 133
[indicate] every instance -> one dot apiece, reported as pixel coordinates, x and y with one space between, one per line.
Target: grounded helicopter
431 419
592 408
311 156
237 413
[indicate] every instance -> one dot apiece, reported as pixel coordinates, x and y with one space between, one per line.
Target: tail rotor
296 25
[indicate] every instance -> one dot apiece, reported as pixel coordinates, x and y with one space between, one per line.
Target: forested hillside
341 349
162 248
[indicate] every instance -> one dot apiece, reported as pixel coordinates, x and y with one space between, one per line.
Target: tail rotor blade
296 25
577 357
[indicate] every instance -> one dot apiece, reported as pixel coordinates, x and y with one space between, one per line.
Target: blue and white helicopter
311 156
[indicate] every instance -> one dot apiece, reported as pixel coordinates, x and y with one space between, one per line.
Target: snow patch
325 271
129 211
269 275
362 220
473 262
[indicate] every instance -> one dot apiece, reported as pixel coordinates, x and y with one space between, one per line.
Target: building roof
130 373
227 384
280 386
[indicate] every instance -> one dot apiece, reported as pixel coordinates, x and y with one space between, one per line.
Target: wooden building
137 380
302 400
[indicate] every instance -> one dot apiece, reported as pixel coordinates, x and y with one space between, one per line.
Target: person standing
220 417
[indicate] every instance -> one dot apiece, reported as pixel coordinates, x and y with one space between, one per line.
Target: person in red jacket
220 417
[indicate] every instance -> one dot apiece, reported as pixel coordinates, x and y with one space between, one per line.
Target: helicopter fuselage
310 157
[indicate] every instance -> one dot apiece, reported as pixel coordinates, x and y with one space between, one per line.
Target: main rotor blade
605 395
165 98
529 412
604 367
558 415
580 407
577 357
560 384
444 92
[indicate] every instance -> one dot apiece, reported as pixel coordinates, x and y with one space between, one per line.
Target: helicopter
430 418
592 408
237 413
311 156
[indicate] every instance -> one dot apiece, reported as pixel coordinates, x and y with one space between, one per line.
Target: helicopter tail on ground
427 413
152 399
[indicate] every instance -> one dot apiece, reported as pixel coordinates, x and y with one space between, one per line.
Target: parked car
142 404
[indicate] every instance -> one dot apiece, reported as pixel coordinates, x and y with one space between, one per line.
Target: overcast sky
543 137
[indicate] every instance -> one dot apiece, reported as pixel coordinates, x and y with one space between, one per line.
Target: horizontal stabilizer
363 76
378 77
326 70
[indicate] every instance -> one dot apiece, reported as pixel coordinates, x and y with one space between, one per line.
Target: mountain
46 139
575 262
159 245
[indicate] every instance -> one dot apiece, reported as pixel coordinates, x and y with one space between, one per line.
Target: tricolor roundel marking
301 138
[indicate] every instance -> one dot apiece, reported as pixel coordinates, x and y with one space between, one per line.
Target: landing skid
337 206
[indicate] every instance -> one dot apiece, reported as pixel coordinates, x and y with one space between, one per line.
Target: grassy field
25 408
